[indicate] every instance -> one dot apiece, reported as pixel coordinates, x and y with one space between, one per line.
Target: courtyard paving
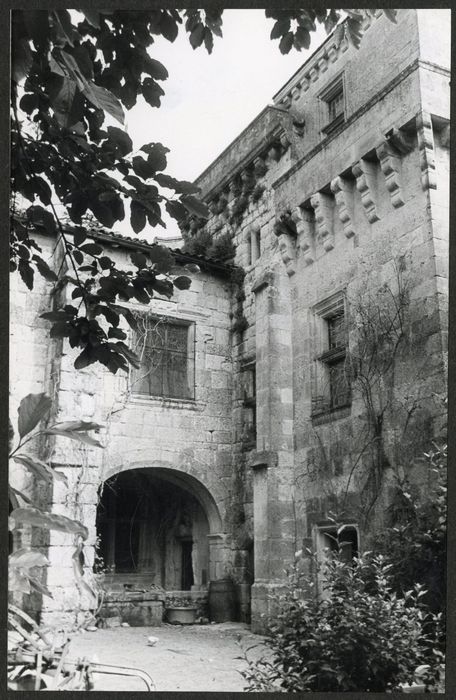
184 658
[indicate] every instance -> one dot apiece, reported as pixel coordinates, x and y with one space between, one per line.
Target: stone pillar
217 558
272 463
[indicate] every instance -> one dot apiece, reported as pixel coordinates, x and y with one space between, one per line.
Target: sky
210 99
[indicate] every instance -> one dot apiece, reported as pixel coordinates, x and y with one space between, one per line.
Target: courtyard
184 658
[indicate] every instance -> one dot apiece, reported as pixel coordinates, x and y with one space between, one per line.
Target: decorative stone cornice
336 44
322 204
390 164
343 193
364 171
426 148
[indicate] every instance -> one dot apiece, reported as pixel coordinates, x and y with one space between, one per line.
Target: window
339 385
332 386
166 355
254 244
248 383
334 104
330 539
344 539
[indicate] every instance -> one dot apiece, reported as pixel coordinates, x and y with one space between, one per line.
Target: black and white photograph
228 350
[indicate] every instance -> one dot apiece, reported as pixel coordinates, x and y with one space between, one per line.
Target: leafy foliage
415 543
71 70
33 409
69 73
359 637
26 564
202 243
293 29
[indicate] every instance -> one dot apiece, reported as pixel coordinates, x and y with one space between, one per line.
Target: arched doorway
153 526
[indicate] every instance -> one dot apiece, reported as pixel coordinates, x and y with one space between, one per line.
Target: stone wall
352 216
355 209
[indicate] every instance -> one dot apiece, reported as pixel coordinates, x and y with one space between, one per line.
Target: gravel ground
185 658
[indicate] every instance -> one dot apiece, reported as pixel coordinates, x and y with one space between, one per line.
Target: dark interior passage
152 529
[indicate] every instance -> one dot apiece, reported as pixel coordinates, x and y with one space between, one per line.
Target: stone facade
336 200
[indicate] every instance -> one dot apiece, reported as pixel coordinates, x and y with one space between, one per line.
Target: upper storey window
332 377
333 99
167 359
336 105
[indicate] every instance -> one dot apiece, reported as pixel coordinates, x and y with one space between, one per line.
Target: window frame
320 530
190 361
323 403
249 402
328 96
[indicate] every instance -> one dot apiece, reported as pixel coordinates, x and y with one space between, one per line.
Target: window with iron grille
332 387
166 356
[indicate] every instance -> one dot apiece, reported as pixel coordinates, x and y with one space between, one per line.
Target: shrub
415 542
359 636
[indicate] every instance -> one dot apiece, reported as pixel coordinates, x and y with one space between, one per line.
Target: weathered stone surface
262 454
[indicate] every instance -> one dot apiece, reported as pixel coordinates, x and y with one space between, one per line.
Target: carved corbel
305 83
259 166
343 193
323 64
445 136
284 142
287 248
343 46
214 206
304 222
332 53
313 74
426 148
365 184
275 151
390 164
295 92
248 181
399 141
285 230
323 207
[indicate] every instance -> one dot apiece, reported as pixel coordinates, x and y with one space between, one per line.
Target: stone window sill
334 124
328 415
249 446
166 402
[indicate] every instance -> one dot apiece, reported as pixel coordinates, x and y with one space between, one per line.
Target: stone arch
177 527
183 479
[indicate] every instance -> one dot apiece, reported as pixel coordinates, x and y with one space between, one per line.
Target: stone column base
264 604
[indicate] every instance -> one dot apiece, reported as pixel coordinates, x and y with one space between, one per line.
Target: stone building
292 382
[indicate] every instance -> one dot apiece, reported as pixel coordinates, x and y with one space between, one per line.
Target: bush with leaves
26 563
70 70
358 636
416 540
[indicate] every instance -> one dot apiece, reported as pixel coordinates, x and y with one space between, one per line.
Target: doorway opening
152 530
